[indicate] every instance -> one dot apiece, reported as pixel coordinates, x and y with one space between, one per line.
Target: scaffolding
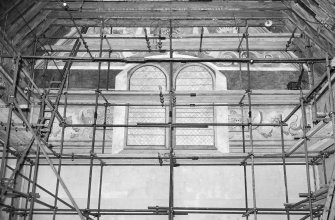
45 155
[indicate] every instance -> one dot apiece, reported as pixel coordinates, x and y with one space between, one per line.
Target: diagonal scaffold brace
42 147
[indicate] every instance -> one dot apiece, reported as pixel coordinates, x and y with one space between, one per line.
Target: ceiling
39 24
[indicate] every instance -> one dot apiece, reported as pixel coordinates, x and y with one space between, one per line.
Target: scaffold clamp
249 212
160 160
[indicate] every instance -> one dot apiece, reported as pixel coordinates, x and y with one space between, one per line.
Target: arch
199 72
147 77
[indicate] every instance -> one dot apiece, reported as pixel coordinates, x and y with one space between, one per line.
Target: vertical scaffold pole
284 164
171 133
244 165
324 169
37 161
102 164
310 66
331 98
28 189
311 85
250 130
61 144
304 127
94 128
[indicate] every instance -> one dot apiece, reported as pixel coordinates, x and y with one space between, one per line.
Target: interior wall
206 186
140 187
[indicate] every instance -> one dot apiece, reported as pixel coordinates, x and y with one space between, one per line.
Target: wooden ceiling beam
30 38
311 26
168 6
8 10
308 48
30 27
28 46
323 13
312 34
327 6
315 24
165 23
17 11
246 14
27 17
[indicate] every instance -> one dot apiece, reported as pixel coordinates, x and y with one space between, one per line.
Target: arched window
195 78
146 78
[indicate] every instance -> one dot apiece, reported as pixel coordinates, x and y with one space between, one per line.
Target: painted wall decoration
179 43
264 115
78 115
252 55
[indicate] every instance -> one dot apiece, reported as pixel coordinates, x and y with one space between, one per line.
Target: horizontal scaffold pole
114 36
163 211
177 125
188 60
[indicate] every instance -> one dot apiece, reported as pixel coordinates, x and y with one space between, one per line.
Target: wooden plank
311 146
228 96
208 155
326 6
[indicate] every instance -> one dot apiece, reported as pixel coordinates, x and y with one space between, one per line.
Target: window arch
195 77
146 78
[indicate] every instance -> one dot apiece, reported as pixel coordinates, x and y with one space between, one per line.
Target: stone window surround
220 115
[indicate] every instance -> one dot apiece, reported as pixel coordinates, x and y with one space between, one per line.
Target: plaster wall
140 187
